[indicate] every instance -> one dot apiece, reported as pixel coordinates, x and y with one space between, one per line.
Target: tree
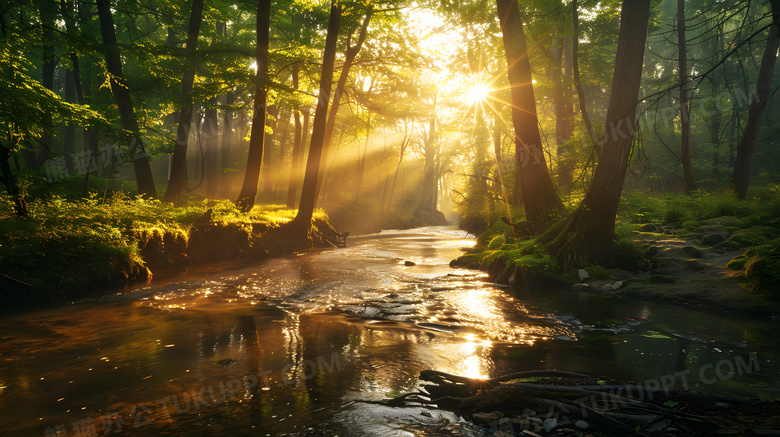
540 200
246 198
685 106
143 172
302 222
178 182
588 234
747 147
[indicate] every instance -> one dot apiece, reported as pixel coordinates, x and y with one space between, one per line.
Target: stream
290 346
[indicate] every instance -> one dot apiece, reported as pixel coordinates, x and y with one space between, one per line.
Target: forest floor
704 250
684 272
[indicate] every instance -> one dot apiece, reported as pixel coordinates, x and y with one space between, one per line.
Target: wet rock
581 287
410 263
485 417
581 424
583 274
550 424
529 412
616 285
713 239
426 414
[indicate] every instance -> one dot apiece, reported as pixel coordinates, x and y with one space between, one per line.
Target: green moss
695 252
737 263
597 272
496 242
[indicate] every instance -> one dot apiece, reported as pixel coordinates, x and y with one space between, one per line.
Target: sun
478 93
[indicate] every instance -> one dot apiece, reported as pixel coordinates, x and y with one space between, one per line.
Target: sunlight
478 93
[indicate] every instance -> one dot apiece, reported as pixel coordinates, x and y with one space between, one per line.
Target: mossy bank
703 250
65 249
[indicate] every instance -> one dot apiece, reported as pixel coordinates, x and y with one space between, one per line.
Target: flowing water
291 346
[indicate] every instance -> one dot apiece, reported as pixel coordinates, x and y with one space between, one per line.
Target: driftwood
615 409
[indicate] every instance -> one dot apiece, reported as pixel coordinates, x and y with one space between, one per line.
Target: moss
597 272
763 274
695 252
496 242
676 216
737 263
691 225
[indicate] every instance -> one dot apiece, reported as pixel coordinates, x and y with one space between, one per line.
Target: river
290 346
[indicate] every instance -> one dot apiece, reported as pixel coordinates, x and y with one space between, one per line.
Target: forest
618 149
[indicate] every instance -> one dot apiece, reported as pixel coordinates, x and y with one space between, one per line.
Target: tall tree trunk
143 172
685 106
268 165
540 199
565 121
179 179
292 188
20 206
211 140
427 202
576 74
248 194
588 235
302 222
747 147
226 147
349 58
69 136
48 14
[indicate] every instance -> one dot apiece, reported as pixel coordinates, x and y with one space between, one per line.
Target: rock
713 239
581 424
662 279
581 287
694 252
583 274
504 421
529 412
550 424
410 263
426 414
649 227
535 420
616 285
485 417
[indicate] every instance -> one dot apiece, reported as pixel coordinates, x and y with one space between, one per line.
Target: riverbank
702 251
64 249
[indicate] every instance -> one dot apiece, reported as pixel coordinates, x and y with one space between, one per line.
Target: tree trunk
48 15
747 147
685 106
540 200
349 58
143 172
246 198
69 136
588 235
211 140
427 202
225 148
565 121
302 222
292 188
178 182
272 120
576 74
20 206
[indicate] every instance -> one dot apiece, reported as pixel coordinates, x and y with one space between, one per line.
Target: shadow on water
288 346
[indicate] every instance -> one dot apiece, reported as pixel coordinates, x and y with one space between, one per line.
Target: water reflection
269 325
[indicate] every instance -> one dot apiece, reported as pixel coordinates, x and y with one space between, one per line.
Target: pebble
409 263
581 287
583 274
581 424
550 424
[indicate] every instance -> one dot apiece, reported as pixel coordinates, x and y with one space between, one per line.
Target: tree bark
272 120
292 188
588 235
302 222
143 172
747 147
576 74
540 200
685 106
349 58
226 147
179 179
211 140
248 194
